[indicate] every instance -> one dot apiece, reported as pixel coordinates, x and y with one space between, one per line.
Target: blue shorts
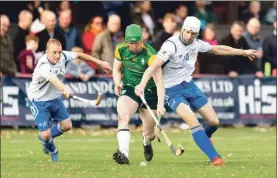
44 111
187 93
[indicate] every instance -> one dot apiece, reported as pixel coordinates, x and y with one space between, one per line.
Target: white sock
123 136
146 141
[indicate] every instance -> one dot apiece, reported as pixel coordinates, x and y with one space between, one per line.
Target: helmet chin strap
184 42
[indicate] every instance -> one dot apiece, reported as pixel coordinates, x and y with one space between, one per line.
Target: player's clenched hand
160 110
67 92
139 90
118 89
105 66
250 53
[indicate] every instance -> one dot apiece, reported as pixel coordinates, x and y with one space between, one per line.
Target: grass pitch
247 152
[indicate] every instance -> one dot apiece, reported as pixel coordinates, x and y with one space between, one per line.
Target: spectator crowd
22 46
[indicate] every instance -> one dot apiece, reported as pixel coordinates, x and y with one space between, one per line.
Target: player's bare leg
148 133
48 144
212 122
126 108
199 136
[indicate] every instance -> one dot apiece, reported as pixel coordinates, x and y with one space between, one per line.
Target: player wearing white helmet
191 24
177 57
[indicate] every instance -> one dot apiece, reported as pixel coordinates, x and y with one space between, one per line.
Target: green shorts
150 96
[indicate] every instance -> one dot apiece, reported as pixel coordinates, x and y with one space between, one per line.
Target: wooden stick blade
179 151
96 101
99 98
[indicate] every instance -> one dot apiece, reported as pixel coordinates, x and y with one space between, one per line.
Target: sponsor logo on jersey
143 61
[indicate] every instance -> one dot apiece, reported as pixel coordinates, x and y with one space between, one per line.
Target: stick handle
168 141
159 118
150 110
80 99
90 102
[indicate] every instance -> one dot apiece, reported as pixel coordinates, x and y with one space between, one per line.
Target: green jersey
135 64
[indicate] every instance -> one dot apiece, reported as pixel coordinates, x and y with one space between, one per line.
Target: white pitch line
70 140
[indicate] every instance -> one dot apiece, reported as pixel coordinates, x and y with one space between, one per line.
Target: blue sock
210 129
49 144
56 131
203 142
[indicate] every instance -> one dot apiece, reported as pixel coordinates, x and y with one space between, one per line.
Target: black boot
148 152
120 158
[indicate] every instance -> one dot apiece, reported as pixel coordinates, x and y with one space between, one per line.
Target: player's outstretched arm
158 79
226 50
139 89
117 76
60 86
85 57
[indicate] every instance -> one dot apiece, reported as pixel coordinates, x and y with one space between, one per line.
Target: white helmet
191 24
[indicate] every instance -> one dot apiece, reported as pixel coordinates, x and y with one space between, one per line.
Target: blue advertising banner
244 99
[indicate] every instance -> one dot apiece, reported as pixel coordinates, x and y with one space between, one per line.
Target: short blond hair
53 41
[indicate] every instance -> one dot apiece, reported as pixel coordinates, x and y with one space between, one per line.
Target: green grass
248 153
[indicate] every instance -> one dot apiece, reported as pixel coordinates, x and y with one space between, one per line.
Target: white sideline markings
71 140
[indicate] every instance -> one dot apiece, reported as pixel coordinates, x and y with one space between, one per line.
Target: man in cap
177 57
132 58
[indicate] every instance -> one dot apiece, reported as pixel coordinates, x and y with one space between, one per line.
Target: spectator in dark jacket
254 10
169 25
36 8
181 13
142 15
7 66
236 64
49 20
21 31
251 35
71 33
270 51
203 14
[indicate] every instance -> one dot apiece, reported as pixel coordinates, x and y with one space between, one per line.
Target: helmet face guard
186 42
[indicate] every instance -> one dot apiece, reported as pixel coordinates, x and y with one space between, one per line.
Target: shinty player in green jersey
132 58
